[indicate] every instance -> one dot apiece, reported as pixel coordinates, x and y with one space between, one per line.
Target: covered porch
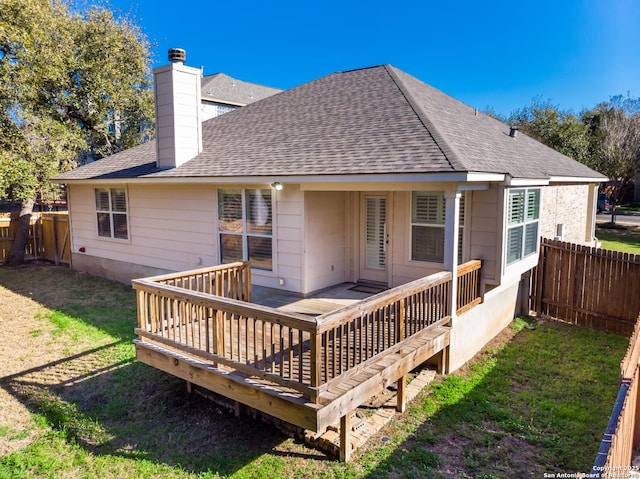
307 361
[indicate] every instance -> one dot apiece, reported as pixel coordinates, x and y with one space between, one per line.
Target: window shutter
230 210
428 207
102 199
120 226
118 200
514 244
375 251
515 213
530 238
259 211
533 205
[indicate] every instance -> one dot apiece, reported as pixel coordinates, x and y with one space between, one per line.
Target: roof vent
177 55
513 131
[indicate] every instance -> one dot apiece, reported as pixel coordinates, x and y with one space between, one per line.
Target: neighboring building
220 94
364 175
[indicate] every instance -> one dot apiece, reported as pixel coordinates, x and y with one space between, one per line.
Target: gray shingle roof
370 121
225 89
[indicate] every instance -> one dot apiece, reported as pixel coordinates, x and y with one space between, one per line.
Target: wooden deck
311 369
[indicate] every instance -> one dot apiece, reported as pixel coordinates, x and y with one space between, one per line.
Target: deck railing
468 285
204 313
231 280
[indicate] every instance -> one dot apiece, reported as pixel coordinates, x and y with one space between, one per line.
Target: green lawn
625 239
74 402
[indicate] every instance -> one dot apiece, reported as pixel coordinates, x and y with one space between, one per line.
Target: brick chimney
177 99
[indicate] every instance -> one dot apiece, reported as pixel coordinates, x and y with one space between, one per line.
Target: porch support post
451 237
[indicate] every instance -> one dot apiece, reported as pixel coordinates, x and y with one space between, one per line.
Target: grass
535 403
625 239
629 208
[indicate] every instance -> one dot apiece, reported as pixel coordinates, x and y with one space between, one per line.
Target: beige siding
567 205
484 225
403 269
166 231
289 237
174 228
326 239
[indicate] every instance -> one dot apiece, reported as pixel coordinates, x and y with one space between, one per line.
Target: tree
71 82
558 129
615 144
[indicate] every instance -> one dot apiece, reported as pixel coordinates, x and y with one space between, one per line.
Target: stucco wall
475 328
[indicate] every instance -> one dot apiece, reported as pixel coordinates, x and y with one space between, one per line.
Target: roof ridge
450 153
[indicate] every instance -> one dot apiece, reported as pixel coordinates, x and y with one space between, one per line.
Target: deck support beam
443 361
265 399
401 405
345 438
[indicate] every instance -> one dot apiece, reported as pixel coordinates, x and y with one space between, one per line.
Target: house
221 93
367 175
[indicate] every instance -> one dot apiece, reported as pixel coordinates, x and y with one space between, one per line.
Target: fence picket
590 287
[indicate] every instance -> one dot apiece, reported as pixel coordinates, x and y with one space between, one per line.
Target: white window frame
111 212
439 223
244 234
523 217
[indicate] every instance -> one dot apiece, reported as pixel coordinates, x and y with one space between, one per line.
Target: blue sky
498 54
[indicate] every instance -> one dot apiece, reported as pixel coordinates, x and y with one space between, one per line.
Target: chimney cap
513 131
177 55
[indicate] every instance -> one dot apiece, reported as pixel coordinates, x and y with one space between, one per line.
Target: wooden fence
622 436
48 237
590 287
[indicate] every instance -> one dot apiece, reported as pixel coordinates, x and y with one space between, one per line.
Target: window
222 109
246 227
523 218
111 212
427 226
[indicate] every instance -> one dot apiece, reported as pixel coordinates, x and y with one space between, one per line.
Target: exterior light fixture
276 185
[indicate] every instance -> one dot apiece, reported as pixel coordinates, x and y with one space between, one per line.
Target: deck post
345 437
247 282
443 361
316 364
401 405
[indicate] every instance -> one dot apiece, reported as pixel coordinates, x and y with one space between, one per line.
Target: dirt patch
32 356
19 322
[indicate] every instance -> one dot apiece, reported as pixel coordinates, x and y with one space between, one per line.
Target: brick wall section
569 205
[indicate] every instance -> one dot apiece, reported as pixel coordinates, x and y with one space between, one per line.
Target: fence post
55 240
524 290
540 277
